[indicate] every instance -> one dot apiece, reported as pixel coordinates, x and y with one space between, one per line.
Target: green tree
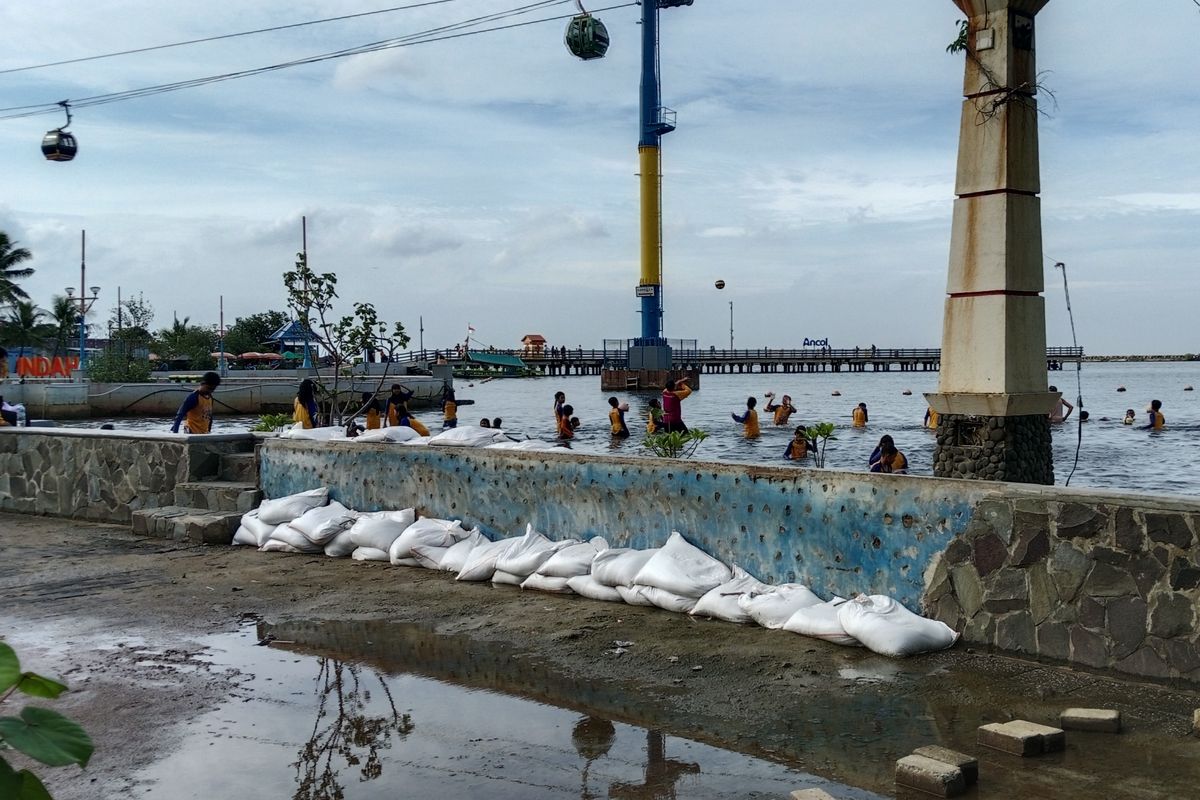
25 325
820 434
192 342
62 320
249 334
345 340
130 321
11 257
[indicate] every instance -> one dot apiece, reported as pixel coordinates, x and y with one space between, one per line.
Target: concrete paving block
1100 720
927 775
1021 738
969 765
812 794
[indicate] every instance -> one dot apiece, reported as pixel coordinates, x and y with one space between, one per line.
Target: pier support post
992 396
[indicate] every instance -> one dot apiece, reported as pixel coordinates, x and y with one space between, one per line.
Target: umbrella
227 355
291 356
251 354
271 356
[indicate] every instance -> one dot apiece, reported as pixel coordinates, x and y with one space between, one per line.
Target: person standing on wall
195 413
304 407
675 391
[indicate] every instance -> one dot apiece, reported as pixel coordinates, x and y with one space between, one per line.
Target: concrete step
240 467
183 524
218 495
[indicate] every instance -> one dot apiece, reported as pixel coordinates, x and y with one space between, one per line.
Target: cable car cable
223 36
412 39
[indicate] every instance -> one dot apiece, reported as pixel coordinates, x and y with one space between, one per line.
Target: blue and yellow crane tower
587 38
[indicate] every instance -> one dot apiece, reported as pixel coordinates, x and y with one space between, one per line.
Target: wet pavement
393 682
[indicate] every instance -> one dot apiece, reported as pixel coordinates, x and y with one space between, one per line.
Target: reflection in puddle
409 714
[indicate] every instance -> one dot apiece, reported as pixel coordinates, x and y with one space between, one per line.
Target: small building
533 344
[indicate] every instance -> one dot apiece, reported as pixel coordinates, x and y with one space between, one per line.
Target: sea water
1110 455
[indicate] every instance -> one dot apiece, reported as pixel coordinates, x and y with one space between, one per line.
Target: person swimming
749 420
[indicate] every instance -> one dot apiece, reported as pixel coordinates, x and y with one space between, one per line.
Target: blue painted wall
836 532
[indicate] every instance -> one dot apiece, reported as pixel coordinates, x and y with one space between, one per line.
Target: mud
130 624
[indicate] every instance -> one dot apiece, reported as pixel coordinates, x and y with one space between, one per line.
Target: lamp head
70 291
95 290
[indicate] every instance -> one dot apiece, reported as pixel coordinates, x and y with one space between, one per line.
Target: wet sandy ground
129 623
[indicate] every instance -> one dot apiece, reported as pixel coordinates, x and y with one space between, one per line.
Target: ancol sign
816 342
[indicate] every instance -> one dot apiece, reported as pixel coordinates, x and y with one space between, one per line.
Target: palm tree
10 257
63 315
24 325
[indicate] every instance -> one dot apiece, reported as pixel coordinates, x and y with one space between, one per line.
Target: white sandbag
289 535
369 554
323 523
273 546
467 436
528 553
775 606
393 434
258 530
587 586
821 622
529 445
542 583
632 596
245 536
456 556
378 529
661 598
573 560
419 441
888 628
681 568
298 431
507 578
428 557
341 545
481 564
286 509
721 602
428 531
405 562
618 566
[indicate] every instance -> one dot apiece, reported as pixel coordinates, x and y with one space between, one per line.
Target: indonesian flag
470 327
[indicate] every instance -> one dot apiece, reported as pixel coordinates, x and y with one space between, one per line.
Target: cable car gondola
586 36
59 144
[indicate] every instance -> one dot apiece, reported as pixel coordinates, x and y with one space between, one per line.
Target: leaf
10 667
10 781
30 787
47 736
35 685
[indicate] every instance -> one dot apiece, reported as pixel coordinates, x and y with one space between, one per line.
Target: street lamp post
85 300
730 324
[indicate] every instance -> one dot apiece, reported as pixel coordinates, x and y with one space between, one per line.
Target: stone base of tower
994 448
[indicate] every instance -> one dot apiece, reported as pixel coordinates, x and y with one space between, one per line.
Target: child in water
1130 417
859 415
616 418
798 447
1157 420
749 420
654 416
566 430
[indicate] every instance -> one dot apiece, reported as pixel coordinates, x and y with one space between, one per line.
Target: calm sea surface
1111 455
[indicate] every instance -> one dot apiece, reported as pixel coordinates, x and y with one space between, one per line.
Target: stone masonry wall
1094 580
102 475
994 448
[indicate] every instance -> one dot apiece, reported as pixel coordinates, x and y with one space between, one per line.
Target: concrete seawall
1088 578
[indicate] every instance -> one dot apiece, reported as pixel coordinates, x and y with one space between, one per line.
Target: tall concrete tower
992 393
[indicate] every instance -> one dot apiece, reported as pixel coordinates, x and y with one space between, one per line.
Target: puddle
378 710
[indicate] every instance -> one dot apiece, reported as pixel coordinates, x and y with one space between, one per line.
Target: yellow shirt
373 421
782 413
450 410
299 414
1158 421
750 426
860 418
199 418
933 420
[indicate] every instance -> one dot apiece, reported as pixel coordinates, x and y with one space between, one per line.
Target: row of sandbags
677 577
462 436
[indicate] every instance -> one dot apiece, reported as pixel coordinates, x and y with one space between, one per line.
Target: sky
490 180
